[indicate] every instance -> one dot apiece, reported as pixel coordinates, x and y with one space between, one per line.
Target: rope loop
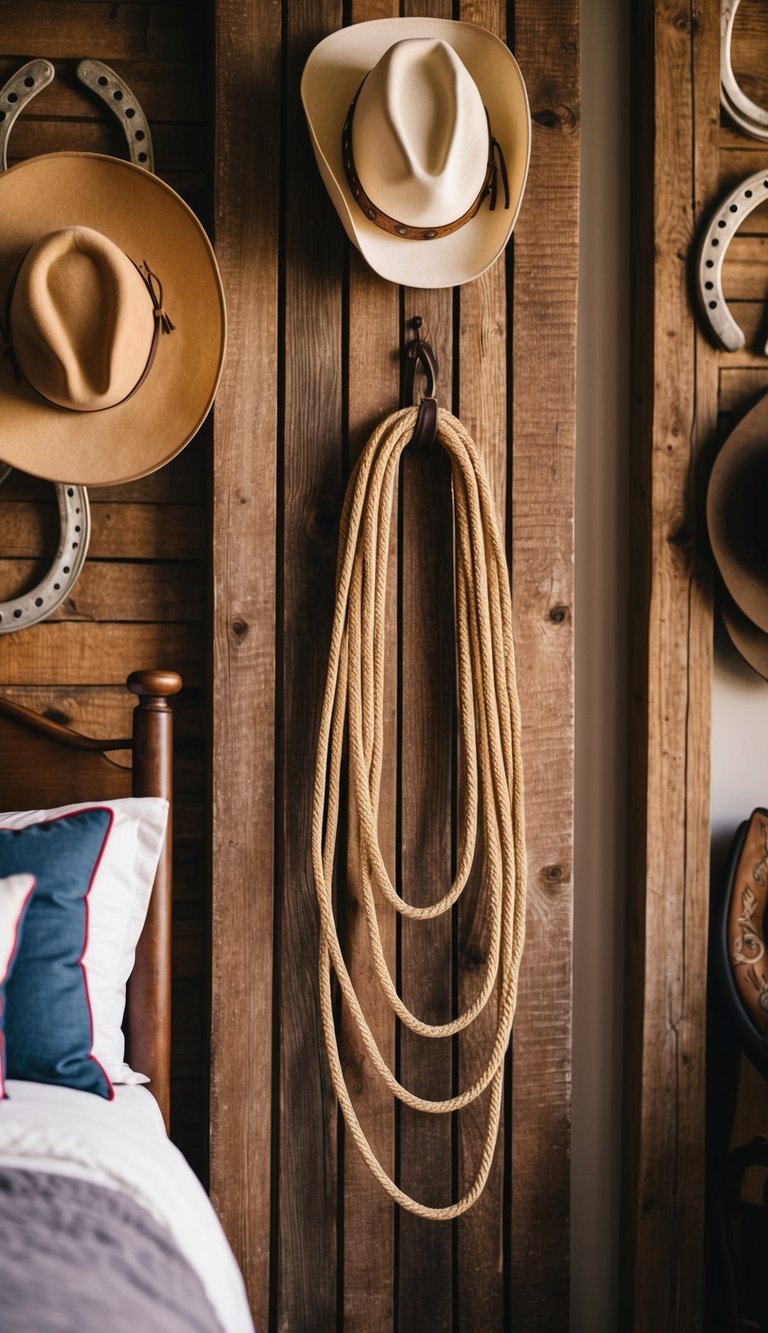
493 832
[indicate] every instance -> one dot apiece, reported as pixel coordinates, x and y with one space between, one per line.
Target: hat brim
747 638
740 467
148 221
330 80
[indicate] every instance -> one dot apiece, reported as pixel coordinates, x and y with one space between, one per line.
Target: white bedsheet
122 1144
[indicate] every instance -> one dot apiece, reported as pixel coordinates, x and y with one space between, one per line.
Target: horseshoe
115 92
56 585
745 114
729 216
74 509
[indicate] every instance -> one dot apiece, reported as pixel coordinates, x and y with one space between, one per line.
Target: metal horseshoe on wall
74 510
714 244
745 114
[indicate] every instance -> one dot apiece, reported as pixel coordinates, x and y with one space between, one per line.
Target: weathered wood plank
118 531
179 482
737 386
543 369
116 590
104 710
745 271
78 653
735 163
752 318
244 482
368 1215
167 90
312 440
482 1251
105 31
749 50
177 147
425 1270
672 648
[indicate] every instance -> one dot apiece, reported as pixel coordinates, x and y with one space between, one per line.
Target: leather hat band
496 167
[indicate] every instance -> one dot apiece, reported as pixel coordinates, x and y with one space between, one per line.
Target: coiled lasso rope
489 731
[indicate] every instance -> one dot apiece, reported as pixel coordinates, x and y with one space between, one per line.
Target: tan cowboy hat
422 132
113 314
737 503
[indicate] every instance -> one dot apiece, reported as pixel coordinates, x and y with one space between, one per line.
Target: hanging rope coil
489 739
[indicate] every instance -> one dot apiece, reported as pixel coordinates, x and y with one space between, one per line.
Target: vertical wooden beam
312 452
243 680
676 103
482 406
546 44
373 391
425 1256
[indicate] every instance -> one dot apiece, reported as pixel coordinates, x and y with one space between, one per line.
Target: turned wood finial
154 684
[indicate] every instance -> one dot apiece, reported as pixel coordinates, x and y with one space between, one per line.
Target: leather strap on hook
419 355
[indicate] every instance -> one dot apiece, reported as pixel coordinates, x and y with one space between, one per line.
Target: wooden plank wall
314 362
689 158
676 49
739 1106
141 599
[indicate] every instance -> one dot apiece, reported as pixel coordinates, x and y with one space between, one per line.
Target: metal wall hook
420 356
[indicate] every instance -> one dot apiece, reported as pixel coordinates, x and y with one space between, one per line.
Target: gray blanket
76 1256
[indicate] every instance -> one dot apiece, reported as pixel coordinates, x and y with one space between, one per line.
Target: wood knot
554 877
681 537
323 521
686 24
239 628
561 116
558 614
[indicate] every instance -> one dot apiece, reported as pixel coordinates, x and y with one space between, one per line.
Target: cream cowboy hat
422 132
113 316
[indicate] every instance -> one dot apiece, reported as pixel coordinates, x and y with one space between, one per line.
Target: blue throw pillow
15 893
48 1021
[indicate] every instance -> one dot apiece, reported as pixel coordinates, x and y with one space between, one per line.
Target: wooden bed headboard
46 765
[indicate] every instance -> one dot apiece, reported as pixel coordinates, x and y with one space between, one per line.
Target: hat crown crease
84 347
431 85
420 134
83 321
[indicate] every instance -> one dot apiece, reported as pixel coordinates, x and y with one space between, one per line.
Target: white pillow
117 907
15 893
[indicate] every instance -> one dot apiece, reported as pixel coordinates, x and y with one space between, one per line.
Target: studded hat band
496 167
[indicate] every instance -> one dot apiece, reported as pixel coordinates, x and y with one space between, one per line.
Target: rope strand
489 738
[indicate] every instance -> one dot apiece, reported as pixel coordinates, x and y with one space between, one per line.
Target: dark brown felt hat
77 230
737 519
